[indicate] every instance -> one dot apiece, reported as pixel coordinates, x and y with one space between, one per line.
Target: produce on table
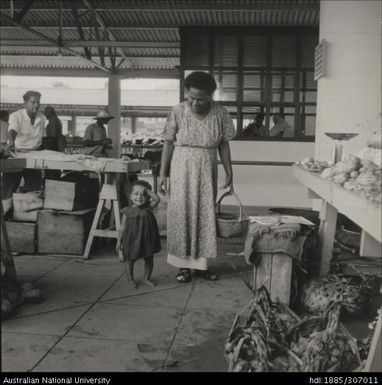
375 141
309 164
355 296
268 336
359 174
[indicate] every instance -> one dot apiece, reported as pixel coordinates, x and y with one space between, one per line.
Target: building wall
268 185
349 96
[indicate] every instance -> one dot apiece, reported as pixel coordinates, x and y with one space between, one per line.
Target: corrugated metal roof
153 63
142 21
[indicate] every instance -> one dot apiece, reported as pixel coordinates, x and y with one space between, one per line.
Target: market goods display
267 336
311 165
354 296
360 174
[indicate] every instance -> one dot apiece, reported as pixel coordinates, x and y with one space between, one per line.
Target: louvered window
226 85
226 51
255 51
196 51
283 51
254 86
259 69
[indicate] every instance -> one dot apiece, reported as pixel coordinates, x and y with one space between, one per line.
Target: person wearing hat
95 139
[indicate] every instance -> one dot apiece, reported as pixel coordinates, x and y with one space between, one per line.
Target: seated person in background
281 129
53 130
95 139
256 128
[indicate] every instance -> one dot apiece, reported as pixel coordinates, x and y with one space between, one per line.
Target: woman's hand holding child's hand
118 247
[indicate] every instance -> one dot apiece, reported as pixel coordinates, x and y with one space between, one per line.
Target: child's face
138 196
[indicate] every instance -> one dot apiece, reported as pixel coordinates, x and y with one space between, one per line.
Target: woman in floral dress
194 130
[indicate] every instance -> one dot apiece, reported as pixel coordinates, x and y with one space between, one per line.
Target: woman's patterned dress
191 226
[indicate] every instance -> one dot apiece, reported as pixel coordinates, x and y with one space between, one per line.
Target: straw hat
103 115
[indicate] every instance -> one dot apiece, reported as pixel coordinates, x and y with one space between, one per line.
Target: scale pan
340 135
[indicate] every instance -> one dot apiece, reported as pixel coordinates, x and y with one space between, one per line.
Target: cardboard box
70 196
22 236
26 206
63 232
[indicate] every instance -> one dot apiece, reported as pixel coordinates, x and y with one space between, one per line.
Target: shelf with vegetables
351 186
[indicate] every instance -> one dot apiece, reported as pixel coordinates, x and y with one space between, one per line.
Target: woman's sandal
209 275
184 276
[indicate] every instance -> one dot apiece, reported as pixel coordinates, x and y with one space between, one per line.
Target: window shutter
319 60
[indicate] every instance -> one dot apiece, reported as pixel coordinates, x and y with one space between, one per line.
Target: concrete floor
90 321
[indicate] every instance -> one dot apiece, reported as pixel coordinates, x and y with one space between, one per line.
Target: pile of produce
267 336
354 296
323 344
311 165
358 174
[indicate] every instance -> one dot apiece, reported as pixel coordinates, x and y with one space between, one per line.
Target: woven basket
228 225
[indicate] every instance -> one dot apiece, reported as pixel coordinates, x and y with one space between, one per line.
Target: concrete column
114 108
349 96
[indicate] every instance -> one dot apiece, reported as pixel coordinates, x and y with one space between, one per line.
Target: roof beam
80 31
104 27
93 43
52 41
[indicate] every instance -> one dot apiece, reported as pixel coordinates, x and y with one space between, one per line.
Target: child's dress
141 236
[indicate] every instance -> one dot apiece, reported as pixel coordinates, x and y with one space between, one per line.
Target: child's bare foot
149 282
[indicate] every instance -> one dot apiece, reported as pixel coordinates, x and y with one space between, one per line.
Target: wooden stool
108 193
274 271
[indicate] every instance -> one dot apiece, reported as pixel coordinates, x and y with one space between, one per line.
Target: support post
114 127
328 216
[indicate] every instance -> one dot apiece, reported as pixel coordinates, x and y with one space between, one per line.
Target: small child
138 236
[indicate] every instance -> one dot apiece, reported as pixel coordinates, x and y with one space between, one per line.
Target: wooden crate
22 236
70 196
26 206
274 271
63 232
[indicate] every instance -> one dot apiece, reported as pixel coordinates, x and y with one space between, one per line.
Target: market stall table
50 160
362 212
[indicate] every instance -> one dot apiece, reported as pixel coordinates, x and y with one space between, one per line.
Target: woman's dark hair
200 81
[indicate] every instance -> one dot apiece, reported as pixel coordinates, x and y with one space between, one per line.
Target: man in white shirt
25 132
281 129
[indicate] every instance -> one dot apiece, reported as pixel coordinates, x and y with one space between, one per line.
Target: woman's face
199 100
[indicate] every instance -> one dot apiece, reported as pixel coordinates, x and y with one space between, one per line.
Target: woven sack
227 225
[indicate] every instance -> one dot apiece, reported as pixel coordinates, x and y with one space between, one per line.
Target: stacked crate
64 224
56 220
22 229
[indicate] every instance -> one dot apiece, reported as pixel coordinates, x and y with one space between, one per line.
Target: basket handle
241 209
